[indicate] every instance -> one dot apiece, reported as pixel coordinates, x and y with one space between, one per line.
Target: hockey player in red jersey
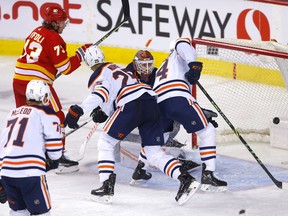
128 103
172 85
30 145
44 56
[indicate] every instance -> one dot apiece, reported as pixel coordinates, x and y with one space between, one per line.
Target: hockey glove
193 75
80 52
98 115
209 115
73 116
51 164
3 196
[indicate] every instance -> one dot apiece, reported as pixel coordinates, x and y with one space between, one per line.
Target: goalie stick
279 184
126 12
83 145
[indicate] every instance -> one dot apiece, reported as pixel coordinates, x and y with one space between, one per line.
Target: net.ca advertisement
161 20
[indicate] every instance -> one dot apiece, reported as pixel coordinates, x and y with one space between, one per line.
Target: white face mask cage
144 66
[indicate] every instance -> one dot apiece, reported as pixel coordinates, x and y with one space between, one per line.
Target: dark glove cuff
76 111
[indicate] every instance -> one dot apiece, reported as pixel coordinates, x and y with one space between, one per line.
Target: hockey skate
66 165
188 186
105 193
140 175
188 165
210 183
174 143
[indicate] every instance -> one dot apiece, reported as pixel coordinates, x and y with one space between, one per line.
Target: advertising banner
161 20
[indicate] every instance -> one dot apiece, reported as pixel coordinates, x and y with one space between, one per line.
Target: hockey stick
80 126
279 184
126 12
83 145
148 43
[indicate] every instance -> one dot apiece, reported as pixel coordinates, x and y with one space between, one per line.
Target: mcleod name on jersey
29 132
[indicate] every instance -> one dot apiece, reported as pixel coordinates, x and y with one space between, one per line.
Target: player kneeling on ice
31 145
128 103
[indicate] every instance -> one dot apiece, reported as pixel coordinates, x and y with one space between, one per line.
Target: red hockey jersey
44 55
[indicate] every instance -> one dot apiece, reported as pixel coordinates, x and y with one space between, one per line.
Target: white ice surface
250 188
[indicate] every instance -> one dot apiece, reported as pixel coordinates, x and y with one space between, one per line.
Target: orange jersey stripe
111 120
103 93
24 162
170 86
124 91
45 190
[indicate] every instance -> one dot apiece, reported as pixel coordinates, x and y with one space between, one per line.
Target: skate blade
189 193
107 199
210 188
64 169
194 169
137 182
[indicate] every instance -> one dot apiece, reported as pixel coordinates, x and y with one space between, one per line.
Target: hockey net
248 81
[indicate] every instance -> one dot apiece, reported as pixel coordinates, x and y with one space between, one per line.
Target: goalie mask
93 56
39 91
143 62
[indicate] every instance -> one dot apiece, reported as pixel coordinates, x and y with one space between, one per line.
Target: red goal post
248 80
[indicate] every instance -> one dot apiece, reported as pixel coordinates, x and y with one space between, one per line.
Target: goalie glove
72 117
193 75
209 115
98 115
80 52
3 196
51 164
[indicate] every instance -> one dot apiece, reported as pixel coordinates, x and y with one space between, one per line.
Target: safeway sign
162 20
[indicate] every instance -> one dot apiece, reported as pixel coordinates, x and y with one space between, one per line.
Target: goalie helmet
38 90
55 14
143 62
93 56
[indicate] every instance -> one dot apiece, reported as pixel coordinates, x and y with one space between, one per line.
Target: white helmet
38 90
93 56
172 45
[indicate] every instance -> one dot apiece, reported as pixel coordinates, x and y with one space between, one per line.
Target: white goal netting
248 81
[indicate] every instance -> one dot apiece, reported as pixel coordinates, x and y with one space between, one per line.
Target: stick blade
126 9
285 185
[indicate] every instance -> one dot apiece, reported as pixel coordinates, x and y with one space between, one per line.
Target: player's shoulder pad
130 67
96 74
182 40
48 110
